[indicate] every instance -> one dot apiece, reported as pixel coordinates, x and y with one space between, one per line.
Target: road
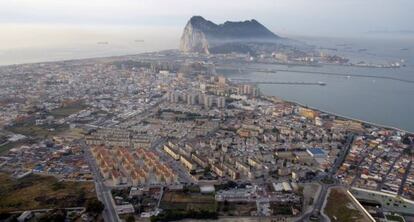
342 155
384 178
183 175
318 204
358 174
102 191
404 179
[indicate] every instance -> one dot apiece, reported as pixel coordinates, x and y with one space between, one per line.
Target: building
221 102
307 113
254 163
389 202
222 81
187 163
218 170
243 167
191 99
124 209
208 101
199 160
316 152
172 152
25 216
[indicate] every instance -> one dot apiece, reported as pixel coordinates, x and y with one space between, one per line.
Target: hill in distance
203 36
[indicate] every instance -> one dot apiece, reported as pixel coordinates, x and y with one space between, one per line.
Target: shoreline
343 116
291 101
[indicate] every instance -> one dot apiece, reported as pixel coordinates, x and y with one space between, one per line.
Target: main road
318 204
102 191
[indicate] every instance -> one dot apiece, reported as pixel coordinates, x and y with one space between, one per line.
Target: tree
130 218
94 206
53 216
406 140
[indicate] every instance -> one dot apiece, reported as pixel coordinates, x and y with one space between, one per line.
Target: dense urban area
165 136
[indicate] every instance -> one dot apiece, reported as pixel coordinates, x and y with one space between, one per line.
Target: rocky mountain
201 35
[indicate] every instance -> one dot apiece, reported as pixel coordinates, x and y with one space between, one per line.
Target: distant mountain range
203 36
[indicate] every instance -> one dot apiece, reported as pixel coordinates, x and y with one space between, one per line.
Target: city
201 111
157 140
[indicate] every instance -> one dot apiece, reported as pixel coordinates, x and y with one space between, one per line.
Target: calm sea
382 101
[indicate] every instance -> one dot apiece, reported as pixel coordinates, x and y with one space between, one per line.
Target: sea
358 92
384 96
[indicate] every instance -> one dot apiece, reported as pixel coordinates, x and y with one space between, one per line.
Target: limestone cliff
200 35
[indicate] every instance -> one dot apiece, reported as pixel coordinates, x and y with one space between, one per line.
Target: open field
339 207
393 217
236 208
38 192
32 130
67 110
10 145
188 201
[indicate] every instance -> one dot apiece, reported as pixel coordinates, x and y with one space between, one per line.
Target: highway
102 191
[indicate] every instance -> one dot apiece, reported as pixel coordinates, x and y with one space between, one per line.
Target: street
102 191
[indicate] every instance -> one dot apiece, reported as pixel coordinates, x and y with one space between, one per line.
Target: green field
37 192
236 208
67 110
339 207
29 129
394 218
188 201
10 145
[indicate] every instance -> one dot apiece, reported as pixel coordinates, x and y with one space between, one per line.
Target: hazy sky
302 17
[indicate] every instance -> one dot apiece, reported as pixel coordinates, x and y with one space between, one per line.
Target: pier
289 83
247 81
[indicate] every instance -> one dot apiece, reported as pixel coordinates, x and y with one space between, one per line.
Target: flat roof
316 151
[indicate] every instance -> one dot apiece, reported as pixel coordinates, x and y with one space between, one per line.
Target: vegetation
327 180
94 206
38 192
229 185
188 201
67 110
173 215
10 145
227 208
53 216
29 128
340 207
130 218
394 217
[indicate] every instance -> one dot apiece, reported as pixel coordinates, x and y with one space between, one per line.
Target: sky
294 17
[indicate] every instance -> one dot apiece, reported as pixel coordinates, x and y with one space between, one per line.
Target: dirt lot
339 207
187 201
37 192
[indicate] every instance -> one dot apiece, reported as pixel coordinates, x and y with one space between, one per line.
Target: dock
247 81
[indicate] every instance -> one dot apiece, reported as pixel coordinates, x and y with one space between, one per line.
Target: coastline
291 101
343 116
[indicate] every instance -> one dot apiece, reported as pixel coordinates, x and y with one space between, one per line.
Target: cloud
297 16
